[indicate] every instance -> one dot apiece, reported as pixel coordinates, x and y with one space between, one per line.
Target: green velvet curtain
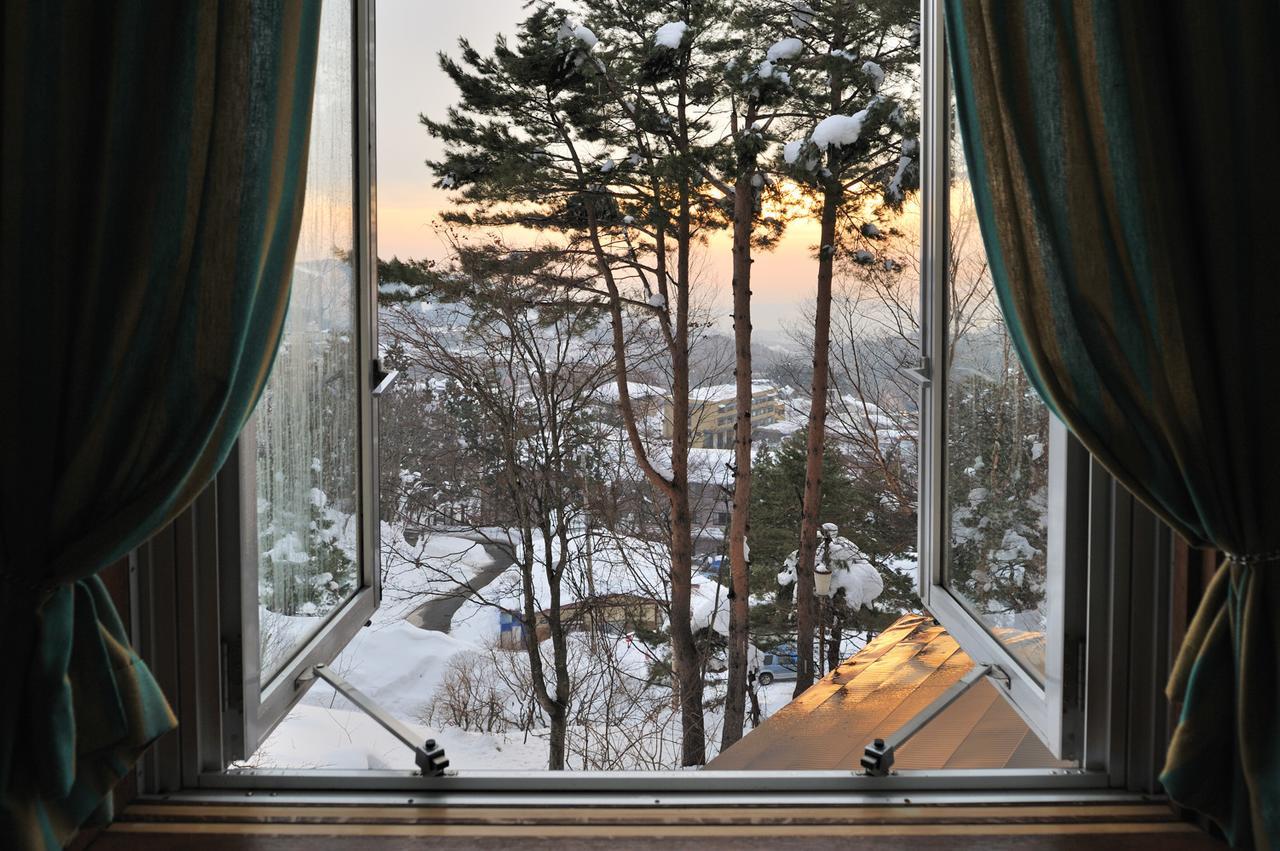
1123 155
154 159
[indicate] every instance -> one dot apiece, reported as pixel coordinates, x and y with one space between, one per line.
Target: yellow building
712 411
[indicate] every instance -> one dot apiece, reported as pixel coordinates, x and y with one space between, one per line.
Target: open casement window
1025 544
297 501
1003 487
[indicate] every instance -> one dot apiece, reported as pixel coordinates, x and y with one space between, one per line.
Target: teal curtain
1123 160
154 159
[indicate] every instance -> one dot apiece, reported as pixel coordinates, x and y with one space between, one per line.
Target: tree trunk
814 447
740 590
559 730
684 650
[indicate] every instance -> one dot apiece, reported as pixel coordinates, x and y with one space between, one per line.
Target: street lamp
822 570
822 579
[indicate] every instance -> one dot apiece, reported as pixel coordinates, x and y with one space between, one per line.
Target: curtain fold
154 159
1123 168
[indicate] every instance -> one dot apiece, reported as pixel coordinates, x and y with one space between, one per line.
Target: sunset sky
409 82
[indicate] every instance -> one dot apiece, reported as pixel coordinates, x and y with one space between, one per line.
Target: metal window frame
254 704
1052 708
181 626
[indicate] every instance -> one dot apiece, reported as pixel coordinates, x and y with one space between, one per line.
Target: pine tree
854 149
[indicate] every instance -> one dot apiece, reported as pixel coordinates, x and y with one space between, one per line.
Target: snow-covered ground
417 675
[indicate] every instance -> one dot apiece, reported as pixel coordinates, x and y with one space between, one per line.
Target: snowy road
437 615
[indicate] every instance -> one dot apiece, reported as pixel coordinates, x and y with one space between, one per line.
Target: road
437 615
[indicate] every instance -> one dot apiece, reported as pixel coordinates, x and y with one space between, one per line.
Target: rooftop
874 693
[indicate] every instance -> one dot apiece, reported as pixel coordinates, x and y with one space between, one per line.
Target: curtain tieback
1253 558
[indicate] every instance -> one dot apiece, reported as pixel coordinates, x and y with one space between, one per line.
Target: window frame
1055 709
254 705
194 562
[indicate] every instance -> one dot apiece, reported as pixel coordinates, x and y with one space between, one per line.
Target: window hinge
877 758
429 757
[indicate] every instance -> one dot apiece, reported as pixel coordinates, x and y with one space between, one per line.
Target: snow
863 256
321 737
850 569
787 48
414 573
586 36
870 231
861 582
839 130
669 35
408 671
709 607
791 151
628 220
765 70
875 72
394 288
619 565
573 29
894 192
801 14
657 300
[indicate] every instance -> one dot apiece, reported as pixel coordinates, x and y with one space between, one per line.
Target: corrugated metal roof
879 689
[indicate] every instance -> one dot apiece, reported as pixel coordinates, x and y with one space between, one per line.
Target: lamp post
822 585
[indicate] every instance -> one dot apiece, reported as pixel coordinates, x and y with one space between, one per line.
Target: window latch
877 758
922 373
382 379
429 757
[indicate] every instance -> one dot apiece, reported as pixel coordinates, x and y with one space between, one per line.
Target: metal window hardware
429 757
382 379
922 373
877 758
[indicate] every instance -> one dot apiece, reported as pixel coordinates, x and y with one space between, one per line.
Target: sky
410 33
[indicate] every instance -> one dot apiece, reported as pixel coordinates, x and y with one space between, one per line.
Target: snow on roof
711 466
635 389
784 428
728 392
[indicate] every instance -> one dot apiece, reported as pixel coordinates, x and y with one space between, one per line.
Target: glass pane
307 421
997 449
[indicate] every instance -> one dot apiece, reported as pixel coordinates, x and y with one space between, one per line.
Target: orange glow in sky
410 34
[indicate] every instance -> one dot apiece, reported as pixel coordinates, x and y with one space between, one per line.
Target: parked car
777 666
